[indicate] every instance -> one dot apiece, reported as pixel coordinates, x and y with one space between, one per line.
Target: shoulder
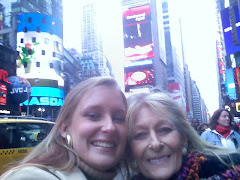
35 173
27 173
214 166
207 132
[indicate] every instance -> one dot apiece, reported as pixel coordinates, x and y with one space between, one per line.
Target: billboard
138 43
177 94
45 96
138 77
40 47
230 84
231 35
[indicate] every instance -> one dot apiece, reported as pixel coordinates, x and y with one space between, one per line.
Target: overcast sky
199 40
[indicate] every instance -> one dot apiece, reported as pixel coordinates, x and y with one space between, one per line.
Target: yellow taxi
18 136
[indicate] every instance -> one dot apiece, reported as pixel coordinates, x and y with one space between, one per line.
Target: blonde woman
88 139
163 145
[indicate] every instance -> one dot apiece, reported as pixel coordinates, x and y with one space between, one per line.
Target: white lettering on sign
18 90
44 101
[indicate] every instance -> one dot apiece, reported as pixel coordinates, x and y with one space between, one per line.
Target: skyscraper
91 34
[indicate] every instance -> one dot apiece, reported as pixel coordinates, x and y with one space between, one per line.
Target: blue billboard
231 48
230 84
45 96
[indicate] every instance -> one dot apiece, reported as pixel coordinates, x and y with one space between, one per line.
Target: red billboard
142 75
3 94
138 43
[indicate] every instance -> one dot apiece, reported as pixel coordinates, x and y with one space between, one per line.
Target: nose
108 125
155 143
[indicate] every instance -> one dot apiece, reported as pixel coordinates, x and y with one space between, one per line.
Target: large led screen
227 30
40 47
138 43
230 84
45 96
139 76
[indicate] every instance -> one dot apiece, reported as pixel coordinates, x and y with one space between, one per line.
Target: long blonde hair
53 151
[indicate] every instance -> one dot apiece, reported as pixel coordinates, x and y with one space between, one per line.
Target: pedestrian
88 139
163 145
202 127
220 132
195 124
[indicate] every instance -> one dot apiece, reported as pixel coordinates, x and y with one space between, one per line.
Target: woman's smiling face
98 128
156 144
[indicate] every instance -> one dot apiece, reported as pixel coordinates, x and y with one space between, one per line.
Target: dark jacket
209 168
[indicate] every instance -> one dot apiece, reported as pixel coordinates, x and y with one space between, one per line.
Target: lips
103 144
158 160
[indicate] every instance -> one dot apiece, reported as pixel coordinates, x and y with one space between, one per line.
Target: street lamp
29 90
41 110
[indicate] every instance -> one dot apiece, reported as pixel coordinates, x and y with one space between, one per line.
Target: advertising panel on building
137 33
138 47
230 84
138 76
231 32
40 59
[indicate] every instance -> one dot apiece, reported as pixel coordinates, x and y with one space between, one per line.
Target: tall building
196 101
91 34
34 29
174 49
145 63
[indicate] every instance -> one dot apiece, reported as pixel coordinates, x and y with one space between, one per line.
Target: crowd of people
99 134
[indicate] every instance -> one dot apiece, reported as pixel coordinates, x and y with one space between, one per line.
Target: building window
38 29
43 21
33 39
54 54
38 64
43 52
29 20
46 40
51 65
22 40
25 29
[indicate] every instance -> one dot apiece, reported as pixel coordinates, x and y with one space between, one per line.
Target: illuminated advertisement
142 75
138 43
229 37
177 94
45 96
3 94
40 47
230 84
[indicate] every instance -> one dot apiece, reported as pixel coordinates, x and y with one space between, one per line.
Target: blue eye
93 116
118 119
164 130
139 136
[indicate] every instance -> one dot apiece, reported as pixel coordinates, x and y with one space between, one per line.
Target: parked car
18 136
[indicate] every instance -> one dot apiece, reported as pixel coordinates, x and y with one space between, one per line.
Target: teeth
158 160
103 144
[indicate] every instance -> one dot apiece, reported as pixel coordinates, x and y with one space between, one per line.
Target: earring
69 140
184 150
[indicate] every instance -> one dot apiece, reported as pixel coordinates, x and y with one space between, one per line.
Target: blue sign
45 96
230 84
227 30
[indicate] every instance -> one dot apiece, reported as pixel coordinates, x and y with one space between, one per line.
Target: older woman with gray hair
163 145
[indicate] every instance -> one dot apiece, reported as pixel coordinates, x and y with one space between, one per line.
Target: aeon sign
45 96
44 101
